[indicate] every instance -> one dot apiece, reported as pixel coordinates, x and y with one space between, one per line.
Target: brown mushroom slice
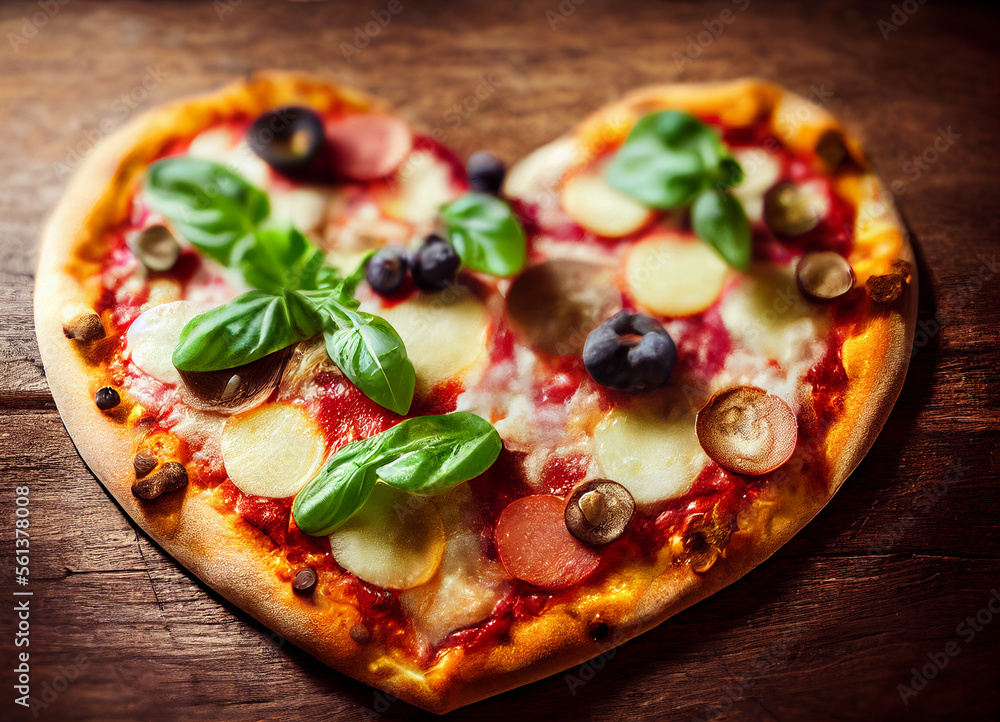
792 209
824 275
84 327
156 247
746 430
552 306
598 511
230 391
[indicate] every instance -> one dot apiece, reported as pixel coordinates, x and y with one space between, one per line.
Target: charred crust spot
888 287
599 631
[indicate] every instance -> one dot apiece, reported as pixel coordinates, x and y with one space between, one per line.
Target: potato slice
272 450
444 334
396 540
592 202
655 457
152 337
673 274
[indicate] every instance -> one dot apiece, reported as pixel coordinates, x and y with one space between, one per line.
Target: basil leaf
424 455
274 260
719 219
668 158
208 204
434 453
485 233
372 355
341 488
245 329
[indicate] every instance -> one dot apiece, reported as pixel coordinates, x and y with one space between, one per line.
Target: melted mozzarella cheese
224 147
425 183
655 454
600 208
152 337
761 170
302 208
467 585
444 334
767 319
675 274
248 441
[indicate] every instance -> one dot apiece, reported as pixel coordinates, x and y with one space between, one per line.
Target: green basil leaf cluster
365 347
299 295
485 234
245 329
221 215
424 455
673 160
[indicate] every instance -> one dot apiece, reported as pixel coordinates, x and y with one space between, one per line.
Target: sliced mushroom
230 391
156 247
824 276
144 462
554 305
746 430
599 511
171 477
84 327
792 209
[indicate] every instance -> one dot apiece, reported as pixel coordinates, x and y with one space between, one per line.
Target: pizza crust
238 562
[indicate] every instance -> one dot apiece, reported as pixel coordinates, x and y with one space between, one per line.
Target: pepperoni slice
535 546
366 147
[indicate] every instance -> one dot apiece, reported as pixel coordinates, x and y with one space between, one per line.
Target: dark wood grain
827 629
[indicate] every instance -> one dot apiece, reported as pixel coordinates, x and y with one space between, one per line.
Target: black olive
486 172
107 398
386 270
630 352
287 138
435 264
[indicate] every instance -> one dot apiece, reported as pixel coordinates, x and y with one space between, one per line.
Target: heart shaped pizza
453 428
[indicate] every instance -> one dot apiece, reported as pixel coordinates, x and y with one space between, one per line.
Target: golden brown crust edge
239 568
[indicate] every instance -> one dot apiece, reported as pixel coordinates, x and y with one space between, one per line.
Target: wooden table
877 586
